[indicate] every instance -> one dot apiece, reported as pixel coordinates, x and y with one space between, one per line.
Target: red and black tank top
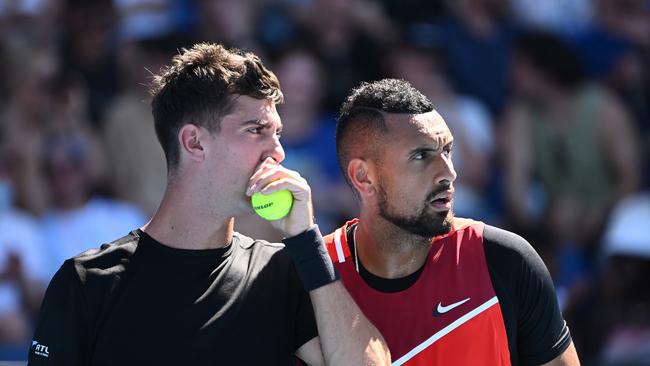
449 316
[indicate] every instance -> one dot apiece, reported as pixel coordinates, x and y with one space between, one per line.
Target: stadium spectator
564 165
78 218
22 275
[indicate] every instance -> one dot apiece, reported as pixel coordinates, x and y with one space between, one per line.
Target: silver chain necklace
356 254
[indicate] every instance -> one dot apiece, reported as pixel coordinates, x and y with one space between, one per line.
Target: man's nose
275 152
447 173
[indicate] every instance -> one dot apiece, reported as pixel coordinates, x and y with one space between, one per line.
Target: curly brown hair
200 87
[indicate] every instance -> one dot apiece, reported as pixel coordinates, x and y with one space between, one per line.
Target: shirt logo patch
444 309
40 349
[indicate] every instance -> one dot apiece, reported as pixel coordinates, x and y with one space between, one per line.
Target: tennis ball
272 206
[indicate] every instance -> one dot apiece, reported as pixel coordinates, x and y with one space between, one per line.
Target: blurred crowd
548 101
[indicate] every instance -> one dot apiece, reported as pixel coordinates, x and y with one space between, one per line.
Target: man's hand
272 177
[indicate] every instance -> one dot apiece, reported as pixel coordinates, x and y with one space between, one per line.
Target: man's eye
447 150
420 156
256 130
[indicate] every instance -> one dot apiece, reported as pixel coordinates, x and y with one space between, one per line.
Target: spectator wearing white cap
627 248
611 315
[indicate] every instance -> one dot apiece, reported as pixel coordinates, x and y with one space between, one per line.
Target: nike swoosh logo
444 309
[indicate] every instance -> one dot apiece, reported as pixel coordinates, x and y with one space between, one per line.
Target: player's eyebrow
260 123
421 149
431 148
257 122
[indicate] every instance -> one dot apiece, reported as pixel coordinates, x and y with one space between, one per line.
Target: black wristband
314 265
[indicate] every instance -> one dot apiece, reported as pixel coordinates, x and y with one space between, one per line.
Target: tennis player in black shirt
185 289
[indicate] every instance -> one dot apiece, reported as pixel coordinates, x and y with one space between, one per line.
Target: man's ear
189 138
362 176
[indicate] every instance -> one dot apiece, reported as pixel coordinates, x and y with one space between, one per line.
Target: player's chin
441 216
436 223
444 222
449 217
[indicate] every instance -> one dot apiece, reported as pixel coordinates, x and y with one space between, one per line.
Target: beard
425 222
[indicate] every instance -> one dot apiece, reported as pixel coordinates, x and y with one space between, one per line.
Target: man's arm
335 300
616 125
346 335
568 358
540 333
31 289
311 353
517 154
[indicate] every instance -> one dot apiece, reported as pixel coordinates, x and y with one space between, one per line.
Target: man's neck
180 223
388 251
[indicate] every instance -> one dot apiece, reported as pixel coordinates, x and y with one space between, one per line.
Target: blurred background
549 103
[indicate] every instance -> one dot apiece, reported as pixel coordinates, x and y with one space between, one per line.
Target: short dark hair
200 87
553 57
361 119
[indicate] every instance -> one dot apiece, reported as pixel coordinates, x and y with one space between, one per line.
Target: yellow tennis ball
272 206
